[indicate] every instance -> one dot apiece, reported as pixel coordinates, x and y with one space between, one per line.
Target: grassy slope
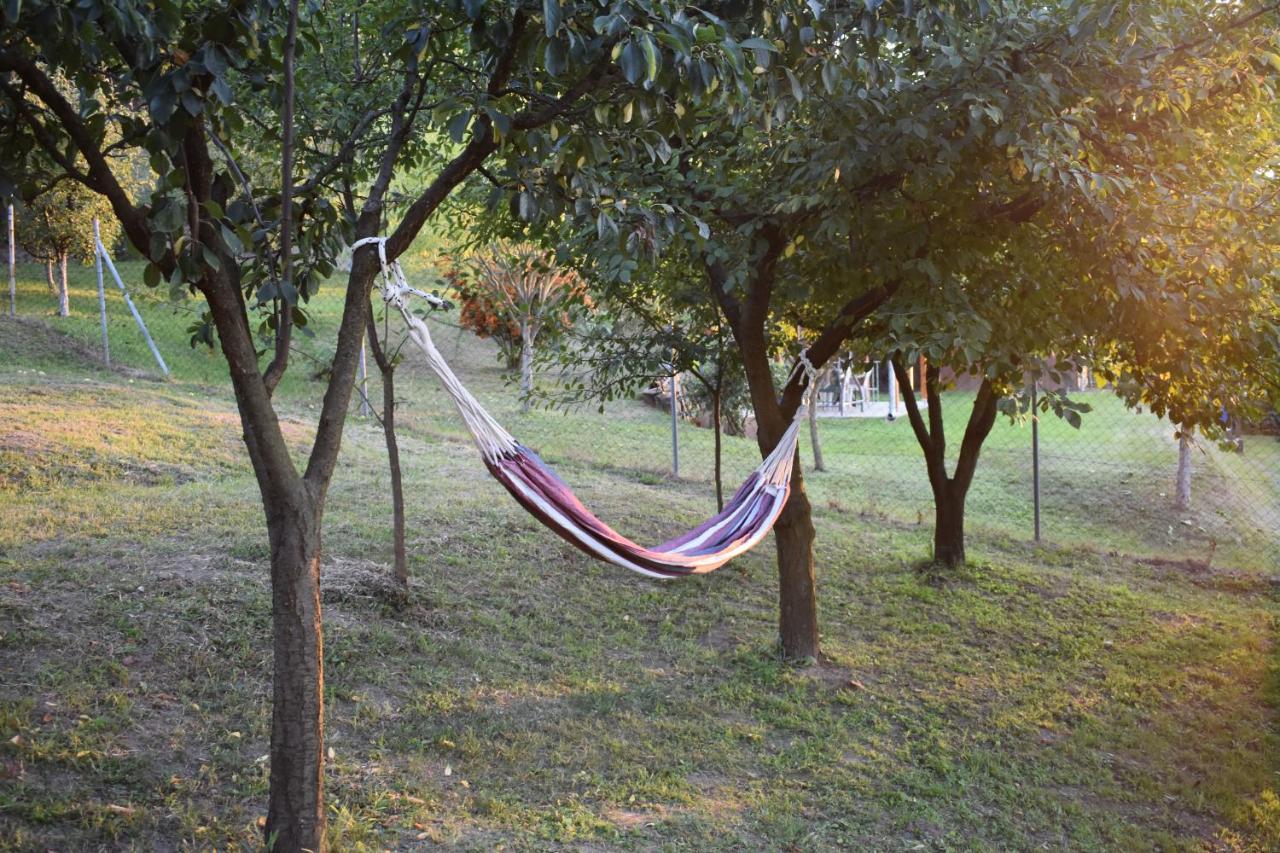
1050 697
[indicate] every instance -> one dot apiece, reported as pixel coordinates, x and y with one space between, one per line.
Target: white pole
102 296
893 391
106 258
675 439
13 281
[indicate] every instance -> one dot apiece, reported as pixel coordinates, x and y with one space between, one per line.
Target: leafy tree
516 293
58 224
650 329
497 80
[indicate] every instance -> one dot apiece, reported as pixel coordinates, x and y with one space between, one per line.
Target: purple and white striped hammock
745 520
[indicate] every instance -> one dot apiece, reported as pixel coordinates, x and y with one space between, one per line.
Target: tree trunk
818 464
793 532
64 295
48 275
1183 497
296 809
715 425
388 371
397 479
949 492
526 365
797 585
948 527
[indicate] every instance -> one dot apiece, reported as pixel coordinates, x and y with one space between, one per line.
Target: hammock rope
745 520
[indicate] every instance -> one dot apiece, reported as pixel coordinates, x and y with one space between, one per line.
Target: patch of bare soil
344 579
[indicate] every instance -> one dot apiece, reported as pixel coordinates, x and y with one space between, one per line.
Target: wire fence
1109 485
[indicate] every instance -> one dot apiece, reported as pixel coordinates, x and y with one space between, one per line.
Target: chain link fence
1108 485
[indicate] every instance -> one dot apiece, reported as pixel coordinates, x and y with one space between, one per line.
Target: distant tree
516 293
57 225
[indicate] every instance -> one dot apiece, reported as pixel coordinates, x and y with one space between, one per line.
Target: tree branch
100 177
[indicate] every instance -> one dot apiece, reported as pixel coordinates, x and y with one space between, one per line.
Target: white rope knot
804 364
810 372
395 285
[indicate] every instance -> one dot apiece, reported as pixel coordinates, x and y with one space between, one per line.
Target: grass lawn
1087 695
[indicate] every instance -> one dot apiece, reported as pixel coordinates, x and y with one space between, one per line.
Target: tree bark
49 277
526 364
818 464
797 583
1183 497
296 808
388 371
64 295
948 527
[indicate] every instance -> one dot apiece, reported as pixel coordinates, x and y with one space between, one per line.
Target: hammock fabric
745 520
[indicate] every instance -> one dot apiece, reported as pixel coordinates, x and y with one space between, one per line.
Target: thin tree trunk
1183 497
715 425
818 464
296 809
64 295
526 365
388 371
49 277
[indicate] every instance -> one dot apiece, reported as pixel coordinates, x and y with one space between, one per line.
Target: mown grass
1048 697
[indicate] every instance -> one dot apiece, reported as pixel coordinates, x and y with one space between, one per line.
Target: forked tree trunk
526 364
1183 496
949 491
296 808
64 295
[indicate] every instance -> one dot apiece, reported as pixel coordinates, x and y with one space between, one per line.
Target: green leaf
555 57
151 275
551 16
650 56
632 62
457 126
12 9
758 43
162 105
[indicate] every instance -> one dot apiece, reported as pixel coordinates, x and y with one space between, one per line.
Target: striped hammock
745 520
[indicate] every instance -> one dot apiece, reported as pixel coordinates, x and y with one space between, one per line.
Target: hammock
745 520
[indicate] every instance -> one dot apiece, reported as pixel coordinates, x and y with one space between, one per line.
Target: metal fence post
675 440
102 296
111 267
1035 458
13 281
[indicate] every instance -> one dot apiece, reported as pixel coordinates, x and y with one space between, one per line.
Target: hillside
526 696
